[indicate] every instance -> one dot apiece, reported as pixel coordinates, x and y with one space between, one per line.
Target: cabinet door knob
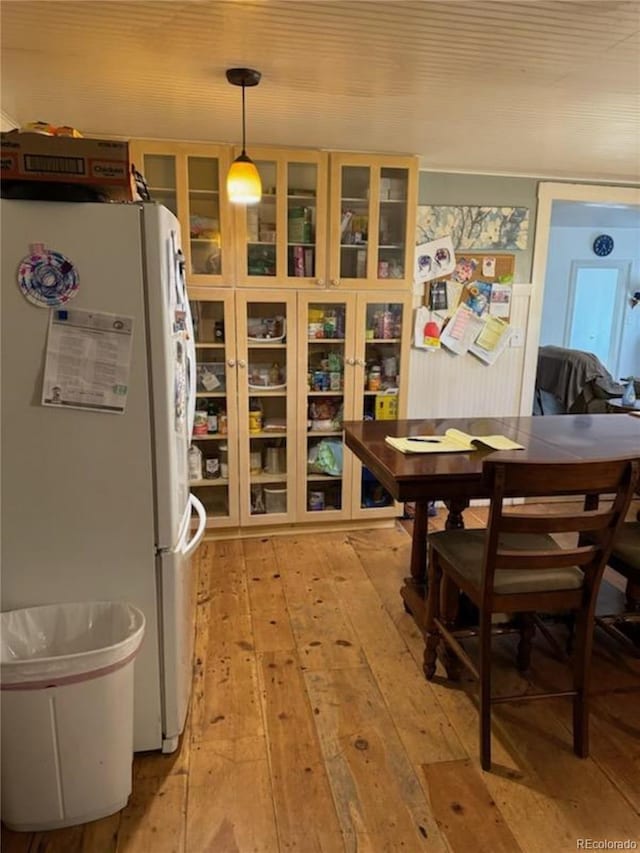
231 362
242 362
351 360
334 282
360 362
320 282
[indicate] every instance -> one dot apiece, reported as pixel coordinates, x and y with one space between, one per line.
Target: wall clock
603 245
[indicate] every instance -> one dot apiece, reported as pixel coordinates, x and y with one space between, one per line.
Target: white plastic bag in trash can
66 673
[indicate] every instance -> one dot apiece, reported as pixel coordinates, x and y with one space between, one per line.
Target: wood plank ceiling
535 88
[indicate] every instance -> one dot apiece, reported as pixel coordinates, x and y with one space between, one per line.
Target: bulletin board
505 265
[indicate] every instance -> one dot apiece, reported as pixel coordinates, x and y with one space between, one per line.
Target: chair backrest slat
544 559
557 523
594 529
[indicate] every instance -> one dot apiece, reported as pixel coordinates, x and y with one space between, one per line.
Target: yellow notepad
453 441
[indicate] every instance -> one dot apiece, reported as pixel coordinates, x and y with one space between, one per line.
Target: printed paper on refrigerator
88 360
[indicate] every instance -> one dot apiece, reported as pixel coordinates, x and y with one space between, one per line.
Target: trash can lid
46 644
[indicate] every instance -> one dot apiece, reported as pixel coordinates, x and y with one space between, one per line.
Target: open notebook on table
453 441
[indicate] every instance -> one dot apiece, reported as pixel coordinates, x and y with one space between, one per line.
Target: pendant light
243 181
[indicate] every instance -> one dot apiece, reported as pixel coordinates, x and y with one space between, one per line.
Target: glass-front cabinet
282 239
267 375
326 329
353 364
189 179
381 382
213 455
372 221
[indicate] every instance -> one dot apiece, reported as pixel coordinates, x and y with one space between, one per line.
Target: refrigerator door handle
191 376
190 546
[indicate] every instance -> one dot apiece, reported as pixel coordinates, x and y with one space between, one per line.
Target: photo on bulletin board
434 259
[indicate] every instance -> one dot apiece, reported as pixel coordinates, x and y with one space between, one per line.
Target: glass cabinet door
381 378
213 456
203 178
266 428
325 330
355 195
393 200
282 239
372 221
160 174
190 179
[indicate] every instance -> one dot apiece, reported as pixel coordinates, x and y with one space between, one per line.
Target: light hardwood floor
312 727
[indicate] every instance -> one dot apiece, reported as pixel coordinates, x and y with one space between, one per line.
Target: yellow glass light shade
243 181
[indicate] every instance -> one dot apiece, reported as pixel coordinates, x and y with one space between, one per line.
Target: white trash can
66 679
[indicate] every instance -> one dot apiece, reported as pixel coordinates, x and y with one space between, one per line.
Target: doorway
595 309
587 194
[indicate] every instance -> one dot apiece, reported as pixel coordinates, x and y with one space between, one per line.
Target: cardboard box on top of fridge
101 163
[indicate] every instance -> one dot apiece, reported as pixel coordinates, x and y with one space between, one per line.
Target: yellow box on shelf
386 407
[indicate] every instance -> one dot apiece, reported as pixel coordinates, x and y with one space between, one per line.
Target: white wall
444 385
567 244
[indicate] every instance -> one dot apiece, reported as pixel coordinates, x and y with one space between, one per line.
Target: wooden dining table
456 478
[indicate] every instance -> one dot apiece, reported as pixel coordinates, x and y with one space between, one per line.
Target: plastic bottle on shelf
274 374
629 396
375 378
194 460
212 417
255 415
223 451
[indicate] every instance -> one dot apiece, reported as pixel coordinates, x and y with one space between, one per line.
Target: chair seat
465 549
625 556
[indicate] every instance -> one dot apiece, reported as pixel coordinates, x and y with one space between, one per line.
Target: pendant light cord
243 127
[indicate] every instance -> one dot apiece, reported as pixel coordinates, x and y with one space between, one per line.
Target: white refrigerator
95 495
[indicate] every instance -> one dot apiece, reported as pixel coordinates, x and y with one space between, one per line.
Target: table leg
415 587
456 507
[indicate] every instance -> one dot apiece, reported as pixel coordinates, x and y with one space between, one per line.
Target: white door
178 607
596 306
172 369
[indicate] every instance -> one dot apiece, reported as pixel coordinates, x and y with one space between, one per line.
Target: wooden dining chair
625 559
515 566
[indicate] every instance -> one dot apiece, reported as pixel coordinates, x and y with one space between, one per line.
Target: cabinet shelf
204 345
215 436
353 245
265 477
339 393
217 481
208 240
204 193
325 341
322 478
393 201
312 433
211 393
382 341
358 199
